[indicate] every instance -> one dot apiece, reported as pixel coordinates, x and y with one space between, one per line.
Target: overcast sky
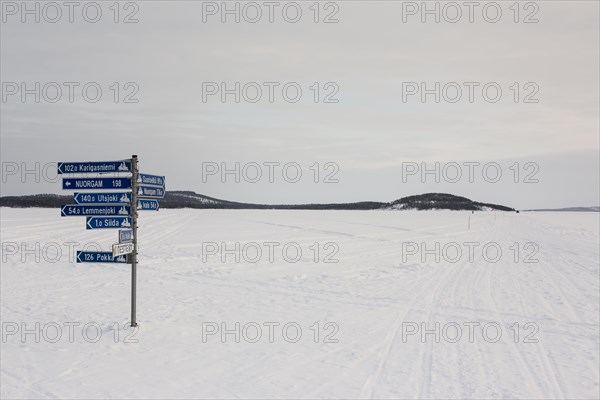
370 133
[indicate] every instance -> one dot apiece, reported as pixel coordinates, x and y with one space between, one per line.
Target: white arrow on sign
118 249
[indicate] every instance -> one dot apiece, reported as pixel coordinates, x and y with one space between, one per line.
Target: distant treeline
188 199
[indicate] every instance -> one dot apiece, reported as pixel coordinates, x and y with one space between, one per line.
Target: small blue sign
149 191
99 257
153 180
93 167
125 236
100 198
95 183
108 222
84 210
144 205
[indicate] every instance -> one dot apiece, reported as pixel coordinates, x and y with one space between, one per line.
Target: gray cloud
369 133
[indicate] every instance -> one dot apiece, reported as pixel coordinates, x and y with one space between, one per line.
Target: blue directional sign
125 236
154 180
108 222
93 167
150 191
99 198
95 183
147 205
99 257
84 210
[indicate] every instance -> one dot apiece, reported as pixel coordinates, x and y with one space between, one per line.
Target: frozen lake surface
342 304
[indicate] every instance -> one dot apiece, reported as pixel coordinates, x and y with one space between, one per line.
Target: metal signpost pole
134 214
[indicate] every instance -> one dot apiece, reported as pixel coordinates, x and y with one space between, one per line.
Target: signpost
125 236
99 257
95 198
96 183
147 205
151 191
79 210
94 167
108 222
119 249
155 180
112 210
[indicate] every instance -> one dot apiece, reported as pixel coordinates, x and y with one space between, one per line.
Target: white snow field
380 323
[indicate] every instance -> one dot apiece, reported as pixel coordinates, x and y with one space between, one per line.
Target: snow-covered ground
528 318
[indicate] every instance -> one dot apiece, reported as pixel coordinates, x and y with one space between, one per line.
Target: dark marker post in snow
113 210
